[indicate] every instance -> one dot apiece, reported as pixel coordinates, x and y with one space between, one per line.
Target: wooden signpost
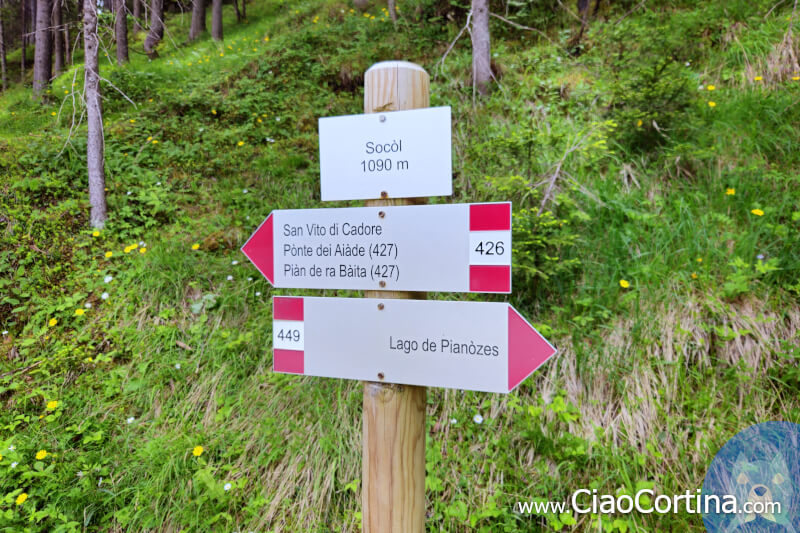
394 340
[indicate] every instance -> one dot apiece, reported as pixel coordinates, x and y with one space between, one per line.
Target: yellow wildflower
198 451
51 405
694 275
109 254
132 121
149 139
95 233
712 104
195 246
142 250
41 454
53 322
79 312
155 141
624 283
21 498
757 212
711 87
53 113
213 111
796 78
758 78
240 143
639 123
730 191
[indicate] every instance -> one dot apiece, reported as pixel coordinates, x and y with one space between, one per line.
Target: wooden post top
395 86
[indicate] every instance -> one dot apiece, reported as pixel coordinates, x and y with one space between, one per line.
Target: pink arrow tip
259 249
527 349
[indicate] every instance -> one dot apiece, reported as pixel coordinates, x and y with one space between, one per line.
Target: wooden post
393 485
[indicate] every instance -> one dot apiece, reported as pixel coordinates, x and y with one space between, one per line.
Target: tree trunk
216 19
393 10
121 31
583 10
42 54
236 7
156 32
137 14
198 19
481 47
94 117
3 65
65 35
244 10
58 41
24 40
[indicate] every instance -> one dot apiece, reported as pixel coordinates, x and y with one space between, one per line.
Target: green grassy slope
694 206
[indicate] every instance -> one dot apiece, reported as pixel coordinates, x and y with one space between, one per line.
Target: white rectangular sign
483 346
397 154
443 248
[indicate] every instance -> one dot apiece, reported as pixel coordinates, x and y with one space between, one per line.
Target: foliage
119 366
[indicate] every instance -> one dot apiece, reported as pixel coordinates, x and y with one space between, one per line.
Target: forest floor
665 267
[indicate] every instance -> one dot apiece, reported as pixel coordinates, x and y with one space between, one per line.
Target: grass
650 380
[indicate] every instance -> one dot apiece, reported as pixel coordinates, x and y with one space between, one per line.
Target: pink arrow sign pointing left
260 249
442 247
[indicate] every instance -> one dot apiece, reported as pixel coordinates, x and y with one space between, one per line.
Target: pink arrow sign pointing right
527 349
484 346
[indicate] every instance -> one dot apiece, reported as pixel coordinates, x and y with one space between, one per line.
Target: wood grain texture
393 486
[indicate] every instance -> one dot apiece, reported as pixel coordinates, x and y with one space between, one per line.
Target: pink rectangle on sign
490 217
288 361
490 278
286 308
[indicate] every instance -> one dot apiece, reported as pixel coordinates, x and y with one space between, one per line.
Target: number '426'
490 248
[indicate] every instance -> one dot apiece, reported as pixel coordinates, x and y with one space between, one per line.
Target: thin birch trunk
94 117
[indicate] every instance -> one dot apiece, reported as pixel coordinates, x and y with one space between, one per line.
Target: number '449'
490 248
289 335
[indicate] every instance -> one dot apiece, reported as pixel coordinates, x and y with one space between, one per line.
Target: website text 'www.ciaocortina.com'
645 501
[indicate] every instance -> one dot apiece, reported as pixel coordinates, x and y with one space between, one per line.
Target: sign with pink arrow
443 248
482 346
